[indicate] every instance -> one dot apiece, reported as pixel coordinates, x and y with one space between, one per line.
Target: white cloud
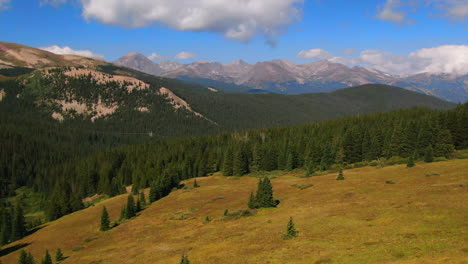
183 55
314 54
388 12
392 9
349 51
451 59
4 5
446 59
155 56
238 19
67 50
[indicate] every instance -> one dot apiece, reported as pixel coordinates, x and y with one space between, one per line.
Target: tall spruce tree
429 154
340 176
130 208
142 199
59 255
184 260
18 224
290 229
240 165
47 259
264 196
228 163
105 222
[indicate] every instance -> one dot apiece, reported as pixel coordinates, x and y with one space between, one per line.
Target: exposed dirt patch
178 102
57 116
29 56
130 82
2 94
94 110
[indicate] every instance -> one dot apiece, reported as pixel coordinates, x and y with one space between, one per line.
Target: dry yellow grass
419 219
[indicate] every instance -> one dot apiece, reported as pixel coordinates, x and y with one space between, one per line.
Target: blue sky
331 25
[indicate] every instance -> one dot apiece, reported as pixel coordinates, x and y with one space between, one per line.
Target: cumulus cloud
4 5
349 51
389 12
67 50
392 10
183 55
451 59
314 54
155 56
239 20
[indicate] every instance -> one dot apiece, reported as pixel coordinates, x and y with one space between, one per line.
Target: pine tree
130 208
142 199
58 255
195 184
340 176
228 163
184 260
154 193
264 197
23 257
240 164
429 154
290 229
30 259
252 204
105 222
47 259
138 207
309 168
123 212
18 225
410 162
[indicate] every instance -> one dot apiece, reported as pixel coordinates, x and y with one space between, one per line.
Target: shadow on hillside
34 230
8 250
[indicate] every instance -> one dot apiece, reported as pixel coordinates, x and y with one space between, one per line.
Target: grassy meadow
376 215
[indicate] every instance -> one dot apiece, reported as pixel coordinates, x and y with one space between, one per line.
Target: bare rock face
139 62
284 76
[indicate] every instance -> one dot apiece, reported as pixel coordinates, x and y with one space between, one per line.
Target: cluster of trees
27 257
264 195
12 225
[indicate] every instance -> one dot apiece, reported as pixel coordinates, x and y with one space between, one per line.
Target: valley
418 219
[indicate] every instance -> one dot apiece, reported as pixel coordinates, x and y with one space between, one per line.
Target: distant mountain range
283 76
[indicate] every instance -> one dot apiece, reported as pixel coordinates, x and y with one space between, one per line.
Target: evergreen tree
309 168
195 184
228 163
154 193
5 227
123 213
429 154
290 229
23 257
240 164
105 222
252 204
47 259
410 162
59 255
142 199
340 176
184 260
264 195
18 224
130 208
138 207
30 259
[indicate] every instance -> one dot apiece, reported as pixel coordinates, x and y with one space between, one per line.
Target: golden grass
362 219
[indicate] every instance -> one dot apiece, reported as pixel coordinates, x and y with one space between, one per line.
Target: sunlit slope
363 219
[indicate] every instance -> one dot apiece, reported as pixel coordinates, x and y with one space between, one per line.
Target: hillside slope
419 219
